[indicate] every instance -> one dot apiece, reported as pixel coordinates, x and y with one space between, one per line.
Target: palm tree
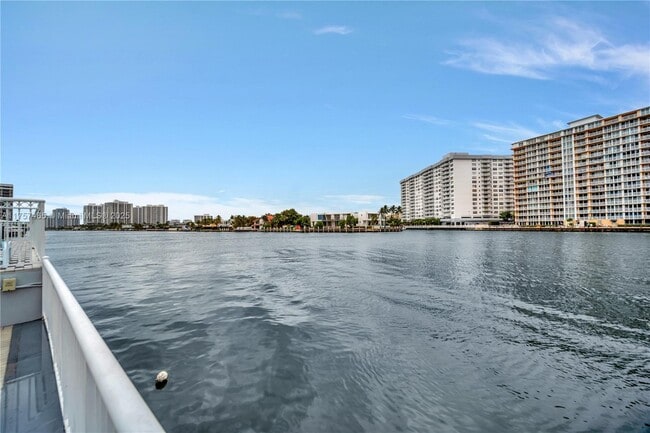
382 213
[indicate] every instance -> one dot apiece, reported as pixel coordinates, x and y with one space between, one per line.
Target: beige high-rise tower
595 171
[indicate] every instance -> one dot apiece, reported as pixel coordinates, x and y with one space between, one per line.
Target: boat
57 373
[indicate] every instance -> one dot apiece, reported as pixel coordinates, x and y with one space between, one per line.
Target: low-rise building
199 219
332 220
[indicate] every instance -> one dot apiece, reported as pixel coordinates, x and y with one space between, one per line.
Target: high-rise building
123 212
6 190
116 211
138 215
93 214
460 188
74 220
57 219
61 218
156 214
120 212
595 171
150 214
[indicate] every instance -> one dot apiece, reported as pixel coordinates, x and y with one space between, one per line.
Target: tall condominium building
61 218
6 190
120 212
597 170
116 211
93 214
138 215
460 188
150 214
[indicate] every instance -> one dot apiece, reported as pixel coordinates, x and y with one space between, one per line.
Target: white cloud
338 30
289 15
560 43
427 119
504 133
497 139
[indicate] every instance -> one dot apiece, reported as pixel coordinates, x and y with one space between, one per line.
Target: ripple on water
417 332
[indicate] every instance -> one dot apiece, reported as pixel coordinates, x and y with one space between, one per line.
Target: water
412 331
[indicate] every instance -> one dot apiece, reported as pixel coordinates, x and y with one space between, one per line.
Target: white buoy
161 379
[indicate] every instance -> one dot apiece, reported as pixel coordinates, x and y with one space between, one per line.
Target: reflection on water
412 331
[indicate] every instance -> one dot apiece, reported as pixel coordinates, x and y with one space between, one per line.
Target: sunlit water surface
412 331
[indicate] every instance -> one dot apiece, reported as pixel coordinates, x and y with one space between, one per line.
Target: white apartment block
460 188
93 214
595 171
150 214
61 218
202 218
120 212
331 220
116 211
123 212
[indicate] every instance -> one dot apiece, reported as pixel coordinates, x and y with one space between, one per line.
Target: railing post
37 229
6 253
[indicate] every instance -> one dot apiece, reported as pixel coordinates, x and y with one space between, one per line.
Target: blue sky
229 108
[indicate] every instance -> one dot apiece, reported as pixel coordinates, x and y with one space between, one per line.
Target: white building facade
150 214
61 218
120 212
332 220
460 188
116 211
123 212
93 214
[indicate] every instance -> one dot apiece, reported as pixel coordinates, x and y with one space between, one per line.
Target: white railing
22 231
95 393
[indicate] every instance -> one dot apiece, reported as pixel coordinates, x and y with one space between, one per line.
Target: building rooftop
456 155
585 120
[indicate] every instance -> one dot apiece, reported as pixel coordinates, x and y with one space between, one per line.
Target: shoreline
535 229
405 228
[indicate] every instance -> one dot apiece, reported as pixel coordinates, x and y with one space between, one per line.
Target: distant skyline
245 108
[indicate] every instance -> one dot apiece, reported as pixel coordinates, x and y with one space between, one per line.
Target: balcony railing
96 394
22 232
